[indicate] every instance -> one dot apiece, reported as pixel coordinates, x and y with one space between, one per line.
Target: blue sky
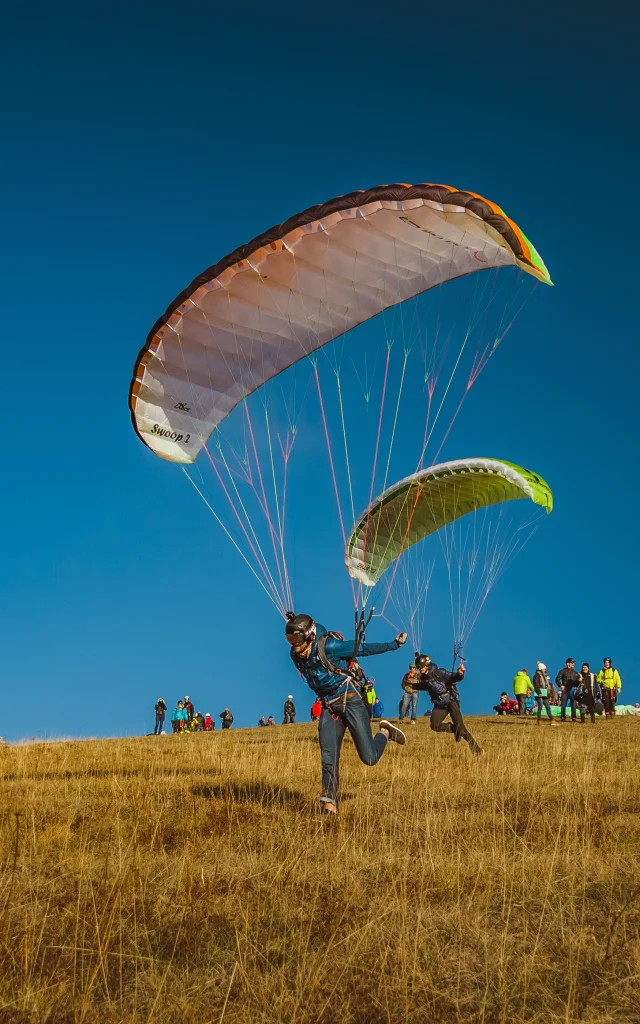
142 143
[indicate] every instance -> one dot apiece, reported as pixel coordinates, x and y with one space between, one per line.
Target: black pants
456 725
587 703
521 698
609 698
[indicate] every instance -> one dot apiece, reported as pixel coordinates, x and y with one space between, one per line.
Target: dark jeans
289 719
544 702
409 699
521 699
456 725
352 716
159 724
568 697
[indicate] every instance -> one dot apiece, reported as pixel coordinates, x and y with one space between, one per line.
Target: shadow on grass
252 792
505 720
106 773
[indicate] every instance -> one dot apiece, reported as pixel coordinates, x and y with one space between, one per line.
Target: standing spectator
199 719
161 710
271 720
188 708
554 699
521 683
209 724
567 679
541 685
262 720
611 683
316 710
179 717
410 695
587 693
377 711
227 718
289 711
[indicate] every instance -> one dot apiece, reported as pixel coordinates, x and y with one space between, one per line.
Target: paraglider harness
354 677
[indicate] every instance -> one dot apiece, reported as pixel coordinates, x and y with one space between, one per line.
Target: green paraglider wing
426 501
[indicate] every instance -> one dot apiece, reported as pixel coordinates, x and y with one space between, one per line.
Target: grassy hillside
190 879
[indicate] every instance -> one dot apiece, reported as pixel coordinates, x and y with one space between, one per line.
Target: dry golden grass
190 879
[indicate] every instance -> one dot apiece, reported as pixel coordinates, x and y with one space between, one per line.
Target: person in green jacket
521 684
611 684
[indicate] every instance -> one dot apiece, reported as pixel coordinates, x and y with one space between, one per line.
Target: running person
325 662
441 686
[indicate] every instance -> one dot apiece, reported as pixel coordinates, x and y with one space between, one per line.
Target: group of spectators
289 717
374 704
185 718
583 692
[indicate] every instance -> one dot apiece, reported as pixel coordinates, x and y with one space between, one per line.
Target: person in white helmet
289 711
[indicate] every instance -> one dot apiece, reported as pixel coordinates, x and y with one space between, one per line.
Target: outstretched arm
455 677
344 648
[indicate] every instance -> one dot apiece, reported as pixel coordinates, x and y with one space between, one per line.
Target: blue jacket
179 715
440 685
339 653
377 710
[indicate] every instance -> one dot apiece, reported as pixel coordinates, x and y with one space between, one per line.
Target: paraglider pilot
441 685
325 662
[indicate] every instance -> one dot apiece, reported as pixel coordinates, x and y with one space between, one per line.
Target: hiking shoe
413 721
328 806
395 735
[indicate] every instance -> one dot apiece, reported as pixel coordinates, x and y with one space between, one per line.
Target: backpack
322 654
406 684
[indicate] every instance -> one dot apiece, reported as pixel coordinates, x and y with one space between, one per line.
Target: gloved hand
401 639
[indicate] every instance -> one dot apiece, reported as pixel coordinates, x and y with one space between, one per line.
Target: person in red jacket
316 710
